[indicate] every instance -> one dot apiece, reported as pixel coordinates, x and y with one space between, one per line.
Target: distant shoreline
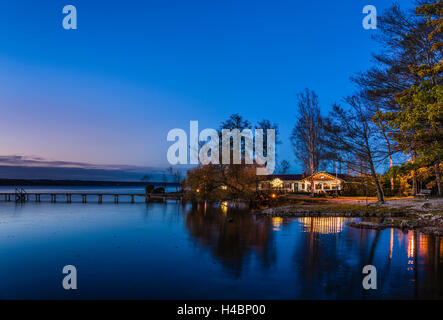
80 183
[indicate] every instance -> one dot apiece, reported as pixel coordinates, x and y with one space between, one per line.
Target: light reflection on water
324 225
158 251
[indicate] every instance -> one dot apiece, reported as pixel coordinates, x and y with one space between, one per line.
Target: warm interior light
277 183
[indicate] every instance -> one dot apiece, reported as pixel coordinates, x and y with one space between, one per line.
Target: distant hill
72 183
83 174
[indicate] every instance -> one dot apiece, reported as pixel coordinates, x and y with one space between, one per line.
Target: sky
109 92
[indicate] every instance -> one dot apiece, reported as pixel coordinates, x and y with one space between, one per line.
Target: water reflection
324 225
327 256
276 223
231 236
161 251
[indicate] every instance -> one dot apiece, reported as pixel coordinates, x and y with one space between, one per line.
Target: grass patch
346 209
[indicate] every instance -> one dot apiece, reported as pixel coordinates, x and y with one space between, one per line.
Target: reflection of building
322 181
411 250
276 223
224 207
324 225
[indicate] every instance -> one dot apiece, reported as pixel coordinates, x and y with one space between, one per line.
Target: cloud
32 161
33 167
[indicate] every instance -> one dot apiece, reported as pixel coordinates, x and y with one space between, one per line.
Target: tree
352 133
283 167
235 121
401 37
176 176
217 182
306 136
266 125
165 180
204 183
406 83
420 122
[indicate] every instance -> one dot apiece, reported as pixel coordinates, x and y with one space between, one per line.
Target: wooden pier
53 197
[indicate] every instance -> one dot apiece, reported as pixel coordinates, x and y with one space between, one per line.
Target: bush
159 190
149 188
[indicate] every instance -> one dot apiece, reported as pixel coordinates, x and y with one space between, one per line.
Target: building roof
284 177
331 175
299 177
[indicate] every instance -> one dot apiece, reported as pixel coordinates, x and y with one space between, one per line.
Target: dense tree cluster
397 108
395 113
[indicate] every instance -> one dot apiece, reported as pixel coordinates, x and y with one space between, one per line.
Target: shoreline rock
327 211
426 223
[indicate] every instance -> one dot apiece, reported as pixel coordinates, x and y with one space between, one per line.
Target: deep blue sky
110 91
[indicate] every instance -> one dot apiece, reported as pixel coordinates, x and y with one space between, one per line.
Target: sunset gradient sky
109 92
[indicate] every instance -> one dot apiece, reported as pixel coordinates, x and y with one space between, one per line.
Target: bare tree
165 178
405 42
352 133
178 178
306 136
283 167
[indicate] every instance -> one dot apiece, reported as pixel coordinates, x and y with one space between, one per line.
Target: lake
176 251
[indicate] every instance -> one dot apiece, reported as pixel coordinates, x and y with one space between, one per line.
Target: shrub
149 188
159 190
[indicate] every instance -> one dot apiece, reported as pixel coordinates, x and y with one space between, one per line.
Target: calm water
159 251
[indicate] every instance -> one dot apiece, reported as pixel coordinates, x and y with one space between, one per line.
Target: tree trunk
388 145
312 185
438 178
414 183
312 174
414 178
380 196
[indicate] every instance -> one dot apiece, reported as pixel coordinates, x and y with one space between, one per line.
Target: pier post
84 198
116 198
100 198
132 198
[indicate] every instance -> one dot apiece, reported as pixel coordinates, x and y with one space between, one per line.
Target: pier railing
22 196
